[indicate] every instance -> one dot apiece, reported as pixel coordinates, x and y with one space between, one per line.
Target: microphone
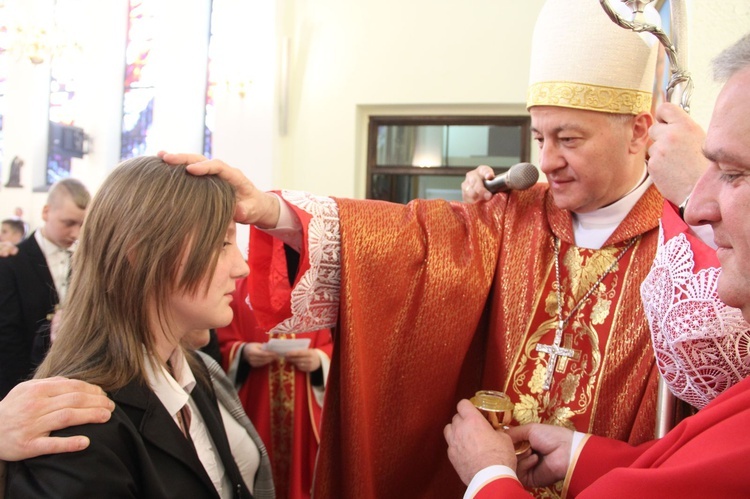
521 176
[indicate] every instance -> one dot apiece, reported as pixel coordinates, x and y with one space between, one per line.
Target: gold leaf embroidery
569 386
550 304
600 310
537 379
527 410
583 274
561 417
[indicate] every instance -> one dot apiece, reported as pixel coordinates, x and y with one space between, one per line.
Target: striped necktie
184 417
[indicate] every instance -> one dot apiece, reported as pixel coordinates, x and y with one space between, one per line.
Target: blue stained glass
58 167
139 91
63 109
138 113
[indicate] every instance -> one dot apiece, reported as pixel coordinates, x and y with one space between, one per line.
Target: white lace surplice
702 346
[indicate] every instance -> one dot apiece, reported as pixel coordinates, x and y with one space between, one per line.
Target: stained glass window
139 91
65 138
62 111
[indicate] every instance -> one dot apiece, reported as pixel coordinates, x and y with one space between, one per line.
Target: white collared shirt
246 454
174 394
591 230
58 262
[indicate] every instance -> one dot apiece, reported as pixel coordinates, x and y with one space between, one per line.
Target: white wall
713 27
352 59
246 126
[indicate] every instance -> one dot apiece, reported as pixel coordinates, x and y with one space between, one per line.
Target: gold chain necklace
555 350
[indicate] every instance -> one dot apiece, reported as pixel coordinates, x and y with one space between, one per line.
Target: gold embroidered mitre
581 59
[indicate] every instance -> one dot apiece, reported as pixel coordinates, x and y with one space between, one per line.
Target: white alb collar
591 230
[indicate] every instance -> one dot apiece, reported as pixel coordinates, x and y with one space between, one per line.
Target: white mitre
581 59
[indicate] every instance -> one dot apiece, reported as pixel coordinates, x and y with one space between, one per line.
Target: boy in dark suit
34 281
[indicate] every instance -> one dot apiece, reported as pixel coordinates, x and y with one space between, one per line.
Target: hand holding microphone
519 177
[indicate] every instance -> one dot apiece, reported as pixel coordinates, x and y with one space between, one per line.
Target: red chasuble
278 398
439 300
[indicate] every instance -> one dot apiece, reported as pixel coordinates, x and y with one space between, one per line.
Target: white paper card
282 346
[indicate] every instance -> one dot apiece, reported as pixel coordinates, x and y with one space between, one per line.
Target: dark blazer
27 296
140 452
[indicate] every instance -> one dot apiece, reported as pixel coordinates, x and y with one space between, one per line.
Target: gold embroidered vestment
440 299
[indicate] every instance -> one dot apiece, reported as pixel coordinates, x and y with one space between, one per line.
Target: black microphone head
521 176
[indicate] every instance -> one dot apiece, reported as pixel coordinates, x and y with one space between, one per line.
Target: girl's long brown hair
145 220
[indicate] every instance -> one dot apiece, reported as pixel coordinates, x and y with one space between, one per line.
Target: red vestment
704 456
704 256
278 398
438 300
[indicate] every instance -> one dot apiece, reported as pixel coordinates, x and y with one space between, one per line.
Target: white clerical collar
173 393
591 230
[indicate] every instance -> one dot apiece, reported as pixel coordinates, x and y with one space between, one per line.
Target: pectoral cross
554 351
563 362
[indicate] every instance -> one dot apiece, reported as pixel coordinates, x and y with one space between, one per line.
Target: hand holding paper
256 354
299 354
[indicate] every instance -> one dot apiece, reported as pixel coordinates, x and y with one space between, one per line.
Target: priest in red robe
282 394
704 455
